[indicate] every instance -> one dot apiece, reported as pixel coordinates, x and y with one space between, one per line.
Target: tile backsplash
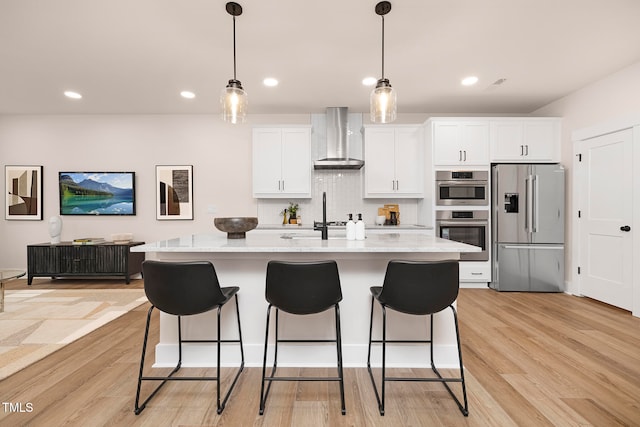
344 195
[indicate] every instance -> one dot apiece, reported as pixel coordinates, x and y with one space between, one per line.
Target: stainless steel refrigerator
528 227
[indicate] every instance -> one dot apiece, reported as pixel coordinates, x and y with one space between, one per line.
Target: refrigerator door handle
534 205
528 220
558 248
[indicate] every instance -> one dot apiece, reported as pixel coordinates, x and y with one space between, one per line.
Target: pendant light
234 99
383 97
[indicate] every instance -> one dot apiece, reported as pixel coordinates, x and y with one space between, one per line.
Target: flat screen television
97 193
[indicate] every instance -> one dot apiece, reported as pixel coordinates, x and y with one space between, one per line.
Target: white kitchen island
361 264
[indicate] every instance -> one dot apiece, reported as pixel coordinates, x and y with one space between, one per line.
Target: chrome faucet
322 226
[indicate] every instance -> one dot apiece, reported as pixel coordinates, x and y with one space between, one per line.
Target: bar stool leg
339 351
221 404
464 408
379 399
140 407
384 356
263 393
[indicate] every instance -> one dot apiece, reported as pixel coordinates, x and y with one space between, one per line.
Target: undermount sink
305 236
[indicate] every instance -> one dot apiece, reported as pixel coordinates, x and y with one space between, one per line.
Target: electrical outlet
211 209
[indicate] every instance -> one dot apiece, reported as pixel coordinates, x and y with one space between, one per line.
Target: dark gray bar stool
184 289
301 288
419 288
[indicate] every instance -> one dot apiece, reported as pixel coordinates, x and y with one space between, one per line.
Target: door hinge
578 270
579 157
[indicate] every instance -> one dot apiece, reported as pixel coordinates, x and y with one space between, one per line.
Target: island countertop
361 263
306 242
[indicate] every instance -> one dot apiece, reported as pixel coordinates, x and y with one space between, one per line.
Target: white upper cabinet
393 162
460 142
282 162
525 140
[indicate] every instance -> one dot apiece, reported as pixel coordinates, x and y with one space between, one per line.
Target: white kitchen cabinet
475 271
282 162
525 140
393 162
460 142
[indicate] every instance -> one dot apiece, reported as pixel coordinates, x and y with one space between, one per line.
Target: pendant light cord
234 48
382 16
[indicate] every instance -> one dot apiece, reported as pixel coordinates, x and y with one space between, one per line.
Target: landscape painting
174 192
23 192
97 193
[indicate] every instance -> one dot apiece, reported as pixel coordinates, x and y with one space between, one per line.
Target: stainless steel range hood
337 142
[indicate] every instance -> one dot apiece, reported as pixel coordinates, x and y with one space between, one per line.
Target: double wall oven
471 227
462 203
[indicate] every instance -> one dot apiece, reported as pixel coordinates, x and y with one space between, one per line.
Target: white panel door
605 186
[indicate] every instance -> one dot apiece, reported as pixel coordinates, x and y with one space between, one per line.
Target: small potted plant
293 212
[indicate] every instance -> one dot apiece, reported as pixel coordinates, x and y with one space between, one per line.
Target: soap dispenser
351 228
360 228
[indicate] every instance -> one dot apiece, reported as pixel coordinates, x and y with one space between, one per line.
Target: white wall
609 99
220 155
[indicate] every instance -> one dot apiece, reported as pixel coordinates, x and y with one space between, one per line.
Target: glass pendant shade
233 99
234 103
383 103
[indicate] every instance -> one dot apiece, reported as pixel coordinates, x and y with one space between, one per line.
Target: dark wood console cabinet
66 259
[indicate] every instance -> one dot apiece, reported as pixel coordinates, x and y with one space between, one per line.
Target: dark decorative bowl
236 227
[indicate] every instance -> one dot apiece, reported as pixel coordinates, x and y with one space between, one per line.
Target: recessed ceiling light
469 81
369 81
187 94
71 94
270 81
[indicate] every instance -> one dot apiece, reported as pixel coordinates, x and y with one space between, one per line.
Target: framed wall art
97 193
174 192
23 192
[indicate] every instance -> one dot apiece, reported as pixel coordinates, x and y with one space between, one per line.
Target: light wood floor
531 360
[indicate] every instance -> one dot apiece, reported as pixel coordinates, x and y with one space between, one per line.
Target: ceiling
135 56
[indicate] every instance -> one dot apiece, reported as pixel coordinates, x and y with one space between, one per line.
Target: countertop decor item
236 227
293 212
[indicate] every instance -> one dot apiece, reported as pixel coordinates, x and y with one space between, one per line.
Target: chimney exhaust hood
337 142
